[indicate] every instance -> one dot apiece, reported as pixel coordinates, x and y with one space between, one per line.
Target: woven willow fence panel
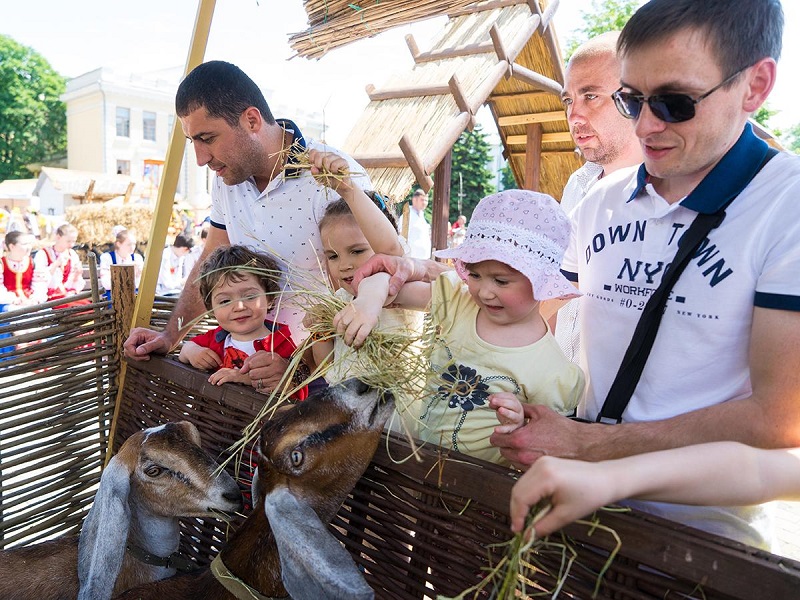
57 389
421 528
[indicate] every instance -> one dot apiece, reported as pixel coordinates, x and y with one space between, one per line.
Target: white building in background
119 123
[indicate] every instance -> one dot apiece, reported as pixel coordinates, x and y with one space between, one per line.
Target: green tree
471 154
507 180
606 15
791 139
33 121
763 115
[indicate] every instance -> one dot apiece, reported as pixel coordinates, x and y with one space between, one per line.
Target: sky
77 36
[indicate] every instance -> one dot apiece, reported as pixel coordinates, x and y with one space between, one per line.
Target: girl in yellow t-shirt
494 350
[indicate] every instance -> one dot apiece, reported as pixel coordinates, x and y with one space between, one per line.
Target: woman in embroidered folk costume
494 350
239 286
123 253
57 268
16 268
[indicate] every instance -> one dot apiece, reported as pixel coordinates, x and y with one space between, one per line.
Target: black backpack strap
630 370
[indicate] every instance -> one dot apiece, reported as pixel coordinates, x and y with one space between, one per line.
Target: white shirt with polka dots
283 220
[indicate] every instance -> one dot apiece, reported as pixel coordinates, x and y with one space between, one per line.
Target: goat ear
313 562
101 546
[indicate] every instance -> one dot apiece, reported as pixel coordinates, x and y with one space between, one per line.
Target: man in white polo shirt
724 362
604 138
258 199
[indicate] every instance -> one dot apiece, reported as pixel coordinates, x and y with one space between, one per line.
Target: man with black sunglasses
603 137
725 364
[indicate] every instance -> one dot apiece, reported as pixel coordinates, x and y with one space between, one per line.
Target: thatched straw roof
335 23
411 124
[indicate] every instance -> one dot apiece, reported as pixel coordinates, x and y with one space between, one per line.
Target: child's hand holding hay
332 171
357 320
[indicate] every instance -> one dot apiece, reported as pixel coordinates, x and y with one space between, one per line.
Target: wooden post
123 301
123 295
440 224
415 163
533 156
143 307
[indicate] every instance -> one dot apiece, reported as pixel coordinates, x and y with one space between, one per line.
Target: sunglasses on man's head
671 108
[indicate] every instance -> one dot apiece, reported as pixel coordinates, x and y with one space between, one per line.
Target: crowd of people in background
45 266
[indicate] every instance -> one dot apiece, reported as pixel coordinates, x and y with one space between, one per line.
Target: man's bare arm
143 341
768 418
401 269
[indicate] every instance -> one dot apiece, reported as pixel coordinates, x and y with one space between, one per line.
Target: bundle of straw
334 23
397 361
521 573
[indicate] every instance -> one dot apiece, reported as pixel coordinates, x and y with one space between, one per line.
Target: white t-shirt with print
619 250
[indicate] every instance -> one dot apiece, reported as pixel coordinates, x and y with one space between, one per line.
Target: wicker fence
417 528
431 527
57 389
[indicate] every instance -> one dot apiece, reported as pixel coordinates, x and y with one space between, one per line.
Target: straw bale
94 222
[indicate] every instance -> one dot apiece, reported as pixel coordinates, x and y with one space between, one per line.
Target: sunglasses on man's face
671 108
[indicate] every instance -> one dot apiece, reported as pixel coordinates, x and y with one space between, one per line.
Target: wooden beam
412 91
547 138
533 156
456 51
89 195
548 13
440 223
535 79
490 81
412 46
545 117
526 31
386 160
415 164
446 140
499 47
549 37
527 95
461 100
166 198
127 197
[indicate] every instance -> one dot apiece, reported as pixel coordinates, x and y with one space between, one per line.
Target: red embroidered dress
18 278
280 342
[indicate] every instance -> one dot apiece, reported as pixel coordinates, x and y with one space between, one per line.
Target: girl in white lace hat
494 350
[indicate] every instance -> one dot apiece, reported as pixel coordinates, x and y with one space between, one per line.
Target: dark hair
224 90
183 241
234 263
12 237
339 208
741 32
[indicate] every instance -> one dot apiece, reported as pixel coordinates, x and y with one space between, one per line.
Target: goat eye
297 458
153 471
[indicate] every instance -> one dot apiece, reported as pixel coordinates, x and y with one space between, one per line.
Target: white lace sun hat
525 230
